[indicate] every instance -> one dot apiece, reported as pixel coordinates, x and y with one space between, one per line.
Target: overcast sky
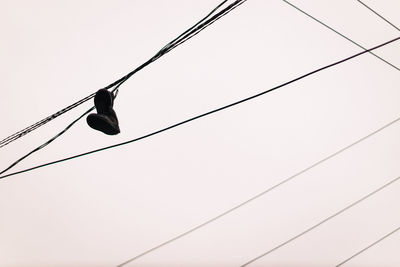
105 208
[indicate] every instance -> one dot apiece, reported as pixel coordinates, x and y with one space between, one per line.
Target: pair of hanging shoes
106 119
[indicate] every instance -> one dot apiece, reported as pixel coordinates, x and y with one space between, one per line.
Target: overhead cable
204 114
323 221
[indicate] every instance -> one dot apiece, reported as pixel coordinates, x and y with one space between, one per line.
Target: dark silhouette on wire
193 118
105 120
376 13
368 247
337 32
185 36
323 221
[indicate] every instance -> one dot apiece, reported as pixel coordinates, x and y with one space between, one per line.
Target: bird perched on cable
106 119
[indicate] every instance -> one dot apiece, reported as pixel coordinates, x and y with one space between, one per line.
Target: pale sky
105 208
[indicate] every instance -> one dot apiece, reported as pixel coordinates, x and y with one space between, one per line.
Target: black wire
371 245
376 13
342 35
204 114
323 221
171 45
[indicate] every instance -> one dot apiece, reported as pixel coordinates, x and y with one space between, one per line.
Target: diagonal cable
342 35
376 13
368 247
323 221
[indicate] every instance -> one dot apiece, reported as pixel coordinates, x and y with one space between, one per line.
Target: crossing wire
323 221
204 114
337 32
185 36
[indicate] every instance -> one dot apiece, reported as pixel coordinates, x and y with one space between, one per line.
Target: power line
185 36
376 13
323 221
337 32
371 245
204 114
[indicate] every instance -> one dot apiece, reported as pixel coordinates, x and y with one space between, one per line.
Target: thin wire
376 13
323 221
188 34
204 114
342 35
371 245
262 193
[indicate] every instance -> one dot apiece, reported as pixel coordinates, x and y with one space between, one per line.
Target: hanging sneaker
106 119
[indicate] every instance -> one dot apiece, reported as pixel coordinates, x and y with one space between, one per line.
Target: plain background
105 208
